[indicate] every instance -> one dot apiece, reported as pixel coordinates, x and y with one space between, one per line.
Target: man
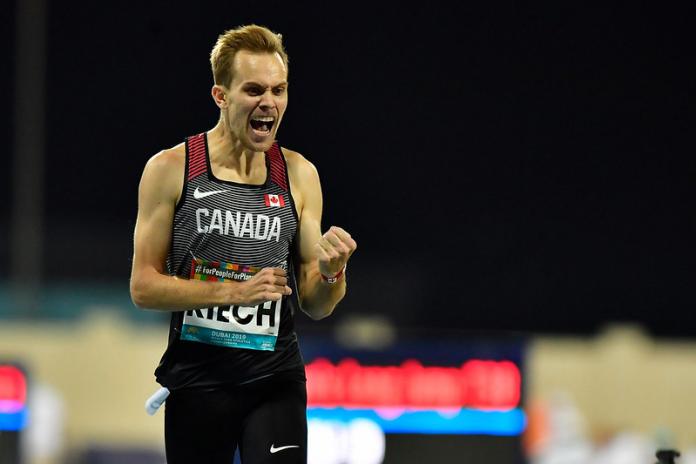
226 221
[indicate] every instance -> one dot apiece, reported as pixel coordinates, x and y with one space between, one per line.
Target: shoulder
165 171
299 167
304 181
170 159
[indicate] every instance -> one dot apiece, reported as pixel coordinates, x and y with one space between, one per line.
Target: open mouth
262 124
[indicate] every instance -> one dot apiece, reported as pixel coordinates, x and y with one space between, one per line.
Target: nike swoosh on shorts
281 448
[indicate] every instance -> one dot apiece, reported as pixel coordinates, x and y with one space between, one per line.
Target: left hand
333 250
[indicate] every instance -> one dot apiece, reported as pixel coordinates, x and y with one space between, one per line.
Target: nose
267 101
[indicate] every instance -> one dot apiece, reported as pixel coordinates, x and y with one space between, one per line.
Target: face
256 98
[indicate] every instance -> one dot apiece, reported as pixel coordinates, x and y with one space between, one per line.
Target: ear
219 94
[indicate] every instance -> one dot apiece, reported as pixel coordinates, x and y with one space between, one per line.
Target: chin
263 144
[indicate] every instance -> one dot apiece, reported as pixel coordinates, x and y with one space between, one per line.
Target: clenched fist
333 250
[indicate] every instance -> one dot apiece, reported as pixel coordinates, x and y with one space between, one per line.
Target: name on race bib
231 326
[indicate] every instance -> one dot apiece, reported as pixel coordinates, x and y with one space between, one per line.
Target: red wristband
334 279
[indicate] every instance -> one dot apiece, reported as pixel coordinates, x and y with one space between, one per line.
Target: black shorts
266 419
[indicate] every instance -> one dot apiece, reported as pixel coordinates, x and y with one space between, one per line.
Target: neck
226 150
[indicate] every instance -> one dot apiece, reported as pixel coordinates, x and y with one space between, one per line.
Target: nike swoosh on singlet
197 194
281 448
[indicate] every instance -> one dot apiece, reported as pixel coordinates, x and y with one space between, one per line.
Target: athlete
228 239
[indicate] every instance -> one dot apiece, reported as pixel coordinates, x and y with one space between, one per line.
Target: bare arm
150 285
319 254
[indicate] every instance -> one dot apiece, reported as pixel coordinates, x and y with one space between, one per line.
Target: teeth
265 119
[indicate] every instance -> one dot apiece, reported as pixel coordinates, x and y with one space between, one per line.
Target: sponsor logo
281 448
197 194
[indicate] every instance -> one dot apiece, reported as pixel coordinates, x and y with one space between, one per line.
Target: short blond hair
253 38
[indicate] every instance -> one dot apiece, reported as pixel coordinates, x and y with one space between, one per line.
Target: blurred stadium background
519 180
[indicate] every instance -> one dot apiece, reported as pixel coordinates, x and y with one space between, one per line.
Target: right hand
269 284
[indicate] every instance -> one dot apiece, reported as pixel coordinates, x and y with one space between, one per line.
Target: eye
278 90
254 91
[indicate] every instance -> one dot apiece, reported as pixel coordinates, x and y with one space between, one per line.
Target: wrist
332 279
229 293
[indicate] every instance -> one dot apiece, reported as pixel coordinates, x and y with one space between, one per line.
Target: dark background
515 168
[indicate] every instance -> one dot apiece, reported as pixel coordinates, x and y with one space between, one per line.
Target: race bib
232 326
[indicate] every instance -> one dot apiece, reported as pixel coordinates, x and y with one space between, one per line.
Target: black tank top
227 231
